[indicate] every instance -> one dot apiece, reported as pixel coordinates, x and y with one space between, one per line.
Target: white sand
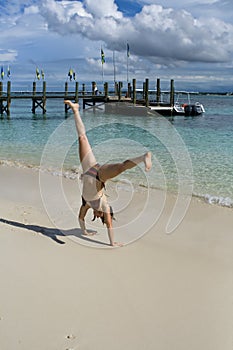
160 292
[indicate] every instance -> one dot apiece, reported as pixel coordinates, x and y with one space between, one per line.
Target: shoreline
60 292
74 173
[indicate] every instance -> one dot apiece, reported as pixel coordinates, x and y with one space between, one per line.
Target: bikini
94 172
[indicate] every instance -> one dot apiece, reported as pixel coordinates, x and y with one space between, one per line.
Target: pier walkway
89 98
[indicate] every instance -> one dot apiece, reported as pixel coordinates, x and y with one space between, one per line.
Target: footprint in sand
70 336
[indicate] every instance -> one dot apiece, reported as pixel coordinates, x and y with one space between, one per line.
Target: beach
159 291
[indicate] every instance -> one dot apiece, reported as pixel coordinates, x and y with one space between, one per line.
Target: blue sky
190 41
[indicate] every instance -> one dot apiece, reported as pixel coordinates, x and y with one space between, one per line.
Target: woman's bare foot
147 161
117 244
89 233
73 106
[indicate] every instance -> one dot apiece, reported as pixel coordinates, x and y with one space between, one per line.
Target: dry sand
160 292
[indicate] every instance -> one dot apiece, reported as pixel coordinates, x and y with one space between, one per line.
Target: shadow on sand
54 233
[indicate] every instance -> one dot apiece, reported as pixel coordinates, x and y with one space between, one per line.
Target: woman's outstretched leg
86 155
109 171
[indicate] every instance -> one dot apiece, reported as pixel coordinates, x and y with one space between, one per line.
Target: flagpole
114 67
102 72
127 69
127 57
102 61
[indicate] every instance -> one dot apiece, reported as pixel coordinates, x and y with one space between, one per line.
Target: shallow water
187 151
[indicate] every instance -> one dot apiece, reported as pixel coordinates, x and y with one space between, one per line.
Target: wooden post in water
8 102
39 101
129 90
34 97
172 93
158 92
147 92
66 94
44 98
1 101
106 90
116 88
83 89
134 92
76 92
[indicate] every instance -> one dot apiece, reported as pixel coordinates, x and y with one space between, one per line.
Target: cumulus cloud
8 55
154 32
102 8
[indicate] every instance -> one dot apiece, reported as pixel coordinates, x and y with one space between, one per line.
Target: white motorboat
188 108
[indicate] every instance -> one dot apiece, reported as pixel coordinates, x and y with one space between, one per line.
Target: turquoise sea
195 151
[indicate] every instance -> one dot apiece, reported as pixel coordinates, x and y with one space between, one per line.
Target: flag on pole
127 50
70 74
37 73
8 72
42 74
102 56
2 73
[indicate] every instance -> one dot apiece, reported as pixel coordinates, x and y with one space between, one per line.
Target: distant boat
188 108
180 108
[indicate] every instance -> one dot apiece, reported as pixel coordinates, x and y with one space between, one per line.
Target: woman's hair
103 217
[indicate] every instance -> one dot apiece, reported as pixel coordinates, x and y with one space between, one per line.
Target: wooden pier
90 98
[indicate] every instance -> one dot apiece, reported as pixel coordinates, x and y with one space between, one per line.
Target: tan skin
106 172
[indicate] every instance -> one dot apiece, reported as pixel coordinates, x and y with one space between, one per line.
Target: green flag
2 73
102 56
38 73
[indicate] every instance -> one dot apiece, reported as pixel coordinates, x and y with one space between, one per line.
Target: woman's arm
108 222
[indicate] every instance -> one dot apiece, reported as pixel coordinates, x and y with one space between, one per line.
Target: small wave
222 201
72 174
18 164
75 173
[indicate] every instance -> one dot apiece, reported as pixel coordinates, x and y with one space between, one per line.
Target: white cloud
167 38
154 32
7 56
102 8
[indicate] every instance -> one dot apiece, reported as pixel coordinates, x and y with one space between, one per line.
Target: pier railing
90 98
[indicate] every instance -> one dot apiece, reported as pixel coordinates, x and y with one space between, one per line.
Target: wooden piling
34 97
106 90
129 90
1 101
66 94
172 93
8 101
116 88
158 92
39 101
76 92
83 89
147 92
44 98
134 92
